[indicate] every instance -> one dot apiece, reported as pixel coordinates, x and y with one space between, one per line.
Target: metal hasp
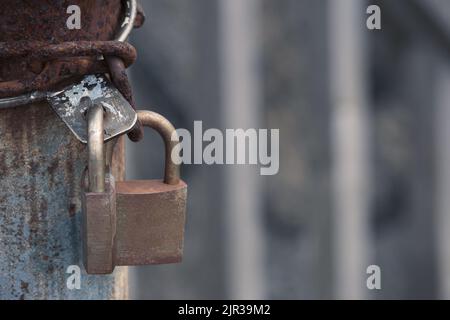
41 164
137 222
66 103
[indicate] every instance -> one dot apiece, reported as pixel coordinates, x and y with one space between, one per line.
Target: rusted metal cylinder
41 166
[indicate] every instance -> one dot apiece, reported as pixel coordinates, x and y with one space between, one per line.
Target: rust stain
52 171
24 286
72 210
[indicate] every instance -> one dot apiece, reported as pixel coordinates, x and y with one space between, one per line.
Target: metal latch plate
120 117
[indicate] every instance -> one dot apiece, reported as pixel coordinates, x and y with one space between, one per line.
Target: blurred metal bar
241 108
432 16
442 147
439 11
351 147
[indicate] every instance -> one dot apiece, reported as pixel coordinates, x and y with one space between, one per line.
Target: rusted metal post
41 165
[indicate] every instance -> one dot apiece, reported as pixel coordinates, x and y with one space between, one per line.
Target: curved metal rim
128 22
169 134
122 36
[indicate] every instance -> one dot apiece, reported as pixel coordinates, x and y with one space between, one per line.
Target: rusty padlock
151 213
137 222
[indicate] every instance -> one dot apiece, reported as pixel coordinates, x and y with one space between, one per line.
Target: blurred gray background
364 146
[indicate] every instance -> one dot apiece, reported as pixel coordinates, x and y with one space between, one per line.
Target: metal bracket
119 115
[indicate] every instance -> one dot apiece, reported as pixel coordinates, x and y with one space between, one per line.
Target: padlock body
150 222
99 225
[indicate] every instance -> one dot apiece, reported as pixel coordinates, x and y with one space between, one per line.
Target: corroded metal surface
57 62
45 21
61 58
150 222
41 164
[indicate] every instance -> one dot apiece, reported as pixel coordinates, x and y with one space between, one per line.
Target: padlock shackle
169 134
96 152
